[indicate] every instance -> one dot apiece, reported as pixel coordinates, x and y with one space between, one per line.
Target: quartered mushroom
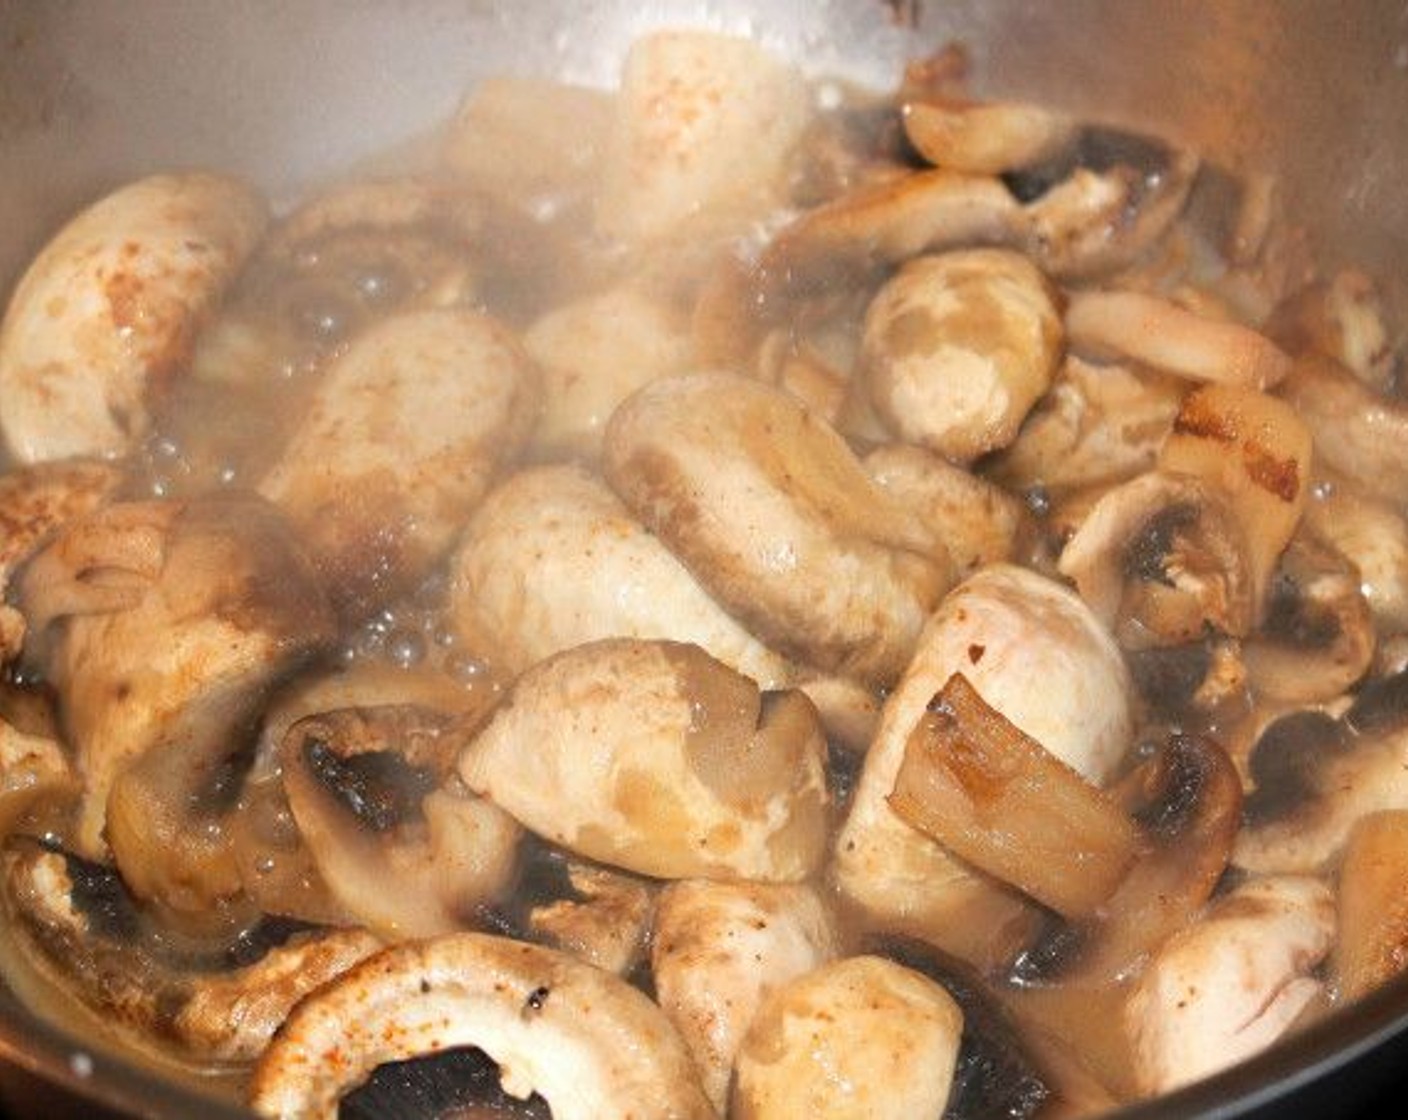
553 559
958 347
1229 986
1003 629
594 353
863 1036
719 949
105 316
654 757
703 125
1161 558
585 1042
35 503
1157 332
163 626
404 850
1317 639
773 514
1359 432
222 1004
402 438
1342 318
978 521
604 917
1315 776
1097 424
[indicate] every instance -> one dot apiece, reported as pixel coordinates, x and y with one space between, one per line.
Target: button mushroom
719 949
402 439
1372 945
985 137
703 125
163 627
1373 535
221 1003
105 315
861 1037
1003 628
1229 986
553 559
654 757
397 845
583 1040
958 347
773 514
979 522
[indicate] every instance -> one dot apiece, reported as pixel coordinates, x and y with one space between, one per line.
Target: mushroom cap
1003 628
108 309
587 1042
863 1036
768 507
655 757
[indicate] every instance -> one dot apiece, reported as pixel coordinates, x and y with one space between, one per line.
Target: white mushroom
583 1040
106 313
1158 332
861 1037
1004 628
958 347
719 949
703 125
398 845
1343 318
604 917
1231 985
32 767
164 625
773 514
402 439
594 353
1373 535
654 757
83 931
979 522
985 137
1358 432
35 503
553 559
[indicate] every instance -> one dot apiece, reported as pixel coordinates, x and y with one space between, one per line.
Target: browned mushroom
1371 946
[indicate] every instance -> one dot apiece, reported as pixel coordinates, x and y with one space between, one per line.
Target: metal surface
93 92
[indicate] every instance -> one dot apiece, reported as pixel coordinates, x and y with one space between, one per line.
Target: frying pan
96 92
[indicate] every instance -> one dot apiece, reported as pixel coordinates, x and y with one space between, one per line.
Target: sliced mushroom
1317 639
1343 318
164 626
1315 776
225 1005
1159 333
985 138
605 919
595 352
719 949
105 315
1373 535
1372 943
32 768
553 559
396 843
1003 628
1159 559
1357 431
979 522
1231 985
1098 424
703 125
401 440
861 1037
35 503
1103 216
581 1039
654 757
773 514
1257 452
958 347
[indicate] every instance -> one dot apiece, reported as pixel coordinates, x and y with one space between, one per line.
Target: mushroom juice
730 596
